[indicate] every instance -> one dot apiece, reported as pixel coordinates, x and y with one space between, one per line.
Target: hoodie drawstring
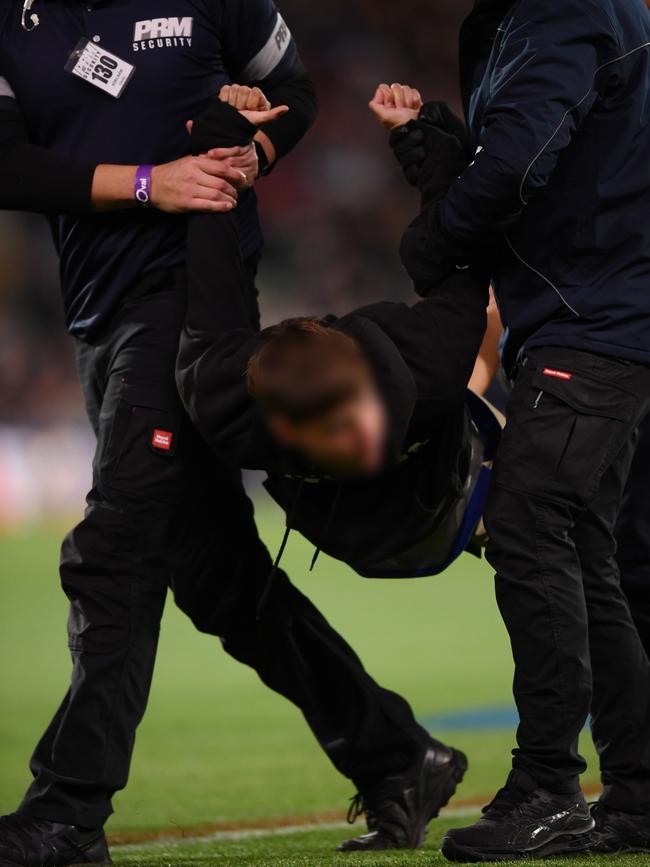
264 598
328 525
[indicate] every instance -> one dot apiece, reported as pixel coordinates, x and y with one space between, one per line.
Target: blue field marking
474 719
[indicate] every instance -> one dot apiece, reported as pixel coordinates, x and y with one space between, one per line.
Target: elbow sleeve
300 95
35 179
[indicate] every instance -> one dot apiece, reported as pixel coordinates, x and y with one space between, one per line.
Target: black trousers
633 536
556 494
164 511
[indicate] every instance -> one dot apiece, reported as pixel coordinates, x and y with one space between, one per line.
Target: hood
392 375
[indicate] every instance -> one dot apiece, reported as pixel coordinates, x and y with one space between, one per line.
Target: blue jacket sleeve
553 63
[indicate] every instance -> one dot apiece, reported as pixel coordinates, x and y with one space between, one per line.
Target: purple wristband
142 188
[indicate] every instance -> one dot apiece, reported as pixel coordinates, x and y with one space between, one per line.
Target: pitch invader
362 423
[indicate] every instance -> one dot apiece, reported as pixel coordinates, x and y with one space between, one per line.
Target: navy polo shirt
183 51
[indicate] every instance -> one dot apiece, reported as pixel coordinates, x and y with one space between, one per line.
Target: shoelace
380 816
506 801
357 808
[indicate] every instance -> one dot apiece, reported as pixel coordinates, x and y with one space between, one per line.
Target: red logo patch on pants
162 439
558 374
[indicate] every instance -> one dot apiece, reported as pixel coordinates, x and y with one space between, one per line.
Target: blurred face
348 441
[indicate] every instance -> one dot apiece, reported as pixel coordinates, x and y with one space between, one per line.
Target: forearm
34 179
217 339
216 303
37 180
189 184
280 137
112 187
487 363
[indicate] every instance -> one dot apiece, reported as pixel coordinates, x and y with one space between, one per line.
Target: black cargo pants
554 501
633 536
164 511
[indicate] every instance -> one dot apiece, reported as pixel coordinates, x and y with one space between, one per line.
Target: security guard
94 99
557 99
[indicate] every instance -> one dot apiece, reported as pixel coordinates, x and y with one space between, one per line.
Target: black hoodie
422 357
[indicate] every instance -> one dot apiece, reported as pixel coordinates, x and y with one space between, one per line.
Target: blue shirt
183 51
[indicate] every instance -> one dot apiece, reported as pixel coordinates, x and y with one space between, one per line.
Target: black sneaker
398 811
620 832
523 822
29 842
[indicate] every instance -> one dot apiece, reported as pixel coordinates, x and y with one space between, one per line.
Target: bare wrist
113 186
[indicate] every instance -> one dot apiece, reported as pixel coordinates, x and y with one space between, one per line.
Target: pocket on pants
564 429
141 456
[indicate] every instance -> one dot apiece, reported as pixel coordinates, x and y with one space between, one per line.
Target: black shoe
26 841
398 811
620 832
523 822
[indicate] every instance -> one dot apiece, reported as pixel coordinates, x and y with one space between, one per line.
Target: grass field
218 752
315 848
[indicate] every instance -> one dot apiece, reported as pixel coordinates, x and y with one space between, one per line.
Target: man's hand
251 102
195 184
242 159
245 100
395 105
255 107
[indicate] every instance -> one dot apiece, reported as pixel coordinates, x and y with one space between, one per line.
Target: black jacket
557 96
422 357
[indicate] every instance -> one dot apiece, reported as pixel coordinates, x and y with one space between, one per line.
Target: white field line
252 833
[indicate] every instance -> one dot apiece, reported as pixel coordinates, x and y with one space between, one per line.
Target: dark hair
306 369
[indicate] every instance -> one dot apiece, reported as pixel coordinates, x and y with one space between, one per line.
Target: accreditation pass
100 67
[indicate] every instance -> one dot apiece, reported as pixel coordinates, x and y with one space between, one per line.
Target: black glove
426 252
409 146
439 114
220 126
411 142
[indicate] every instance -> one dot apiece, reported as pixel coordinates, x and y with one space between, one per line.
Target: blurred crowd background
333 214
